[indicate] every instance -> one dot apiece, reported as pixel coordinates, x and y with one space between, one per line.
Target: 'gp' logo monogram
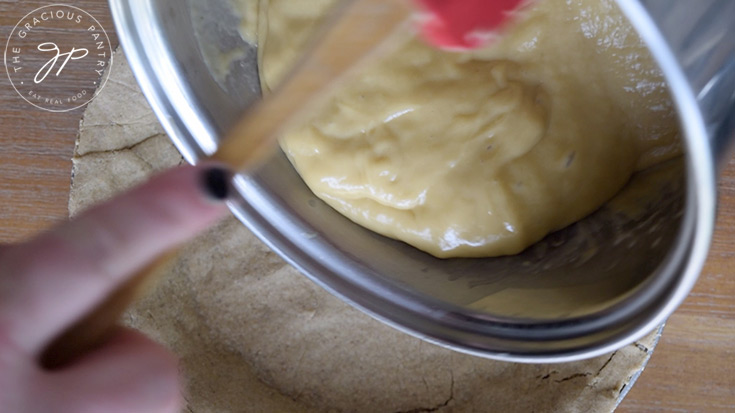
74 54
57 57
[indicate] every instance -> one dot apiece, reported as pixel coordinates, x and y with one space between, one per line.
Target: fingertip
207 186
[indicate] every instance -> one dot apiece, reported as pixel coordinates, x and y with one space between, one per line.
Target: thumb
131 373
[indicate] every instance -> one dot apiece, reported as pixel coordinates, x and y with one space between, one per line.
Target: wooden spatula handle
100 325
358 31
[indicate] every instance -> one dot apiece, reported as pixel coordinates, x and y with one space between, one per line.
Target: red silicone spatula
464 24
359 30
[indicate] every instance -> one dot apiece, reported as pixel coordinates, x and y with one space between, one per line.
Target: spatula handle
100 325
358 30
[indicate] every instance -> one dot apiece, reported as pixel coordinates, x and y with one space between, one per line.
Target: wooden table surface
692 369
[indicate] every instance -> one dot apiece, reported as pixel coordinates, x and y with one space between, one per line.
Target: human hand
50 282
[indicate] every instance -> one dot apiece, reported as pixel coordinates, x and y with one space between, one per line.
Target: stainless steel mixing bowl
581 292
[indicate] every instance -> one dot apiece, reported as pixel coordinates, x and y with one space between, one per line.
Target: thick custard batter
482 153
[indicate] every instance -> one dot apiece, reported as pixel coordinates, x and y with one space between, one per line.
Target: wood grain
35 145
693 368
